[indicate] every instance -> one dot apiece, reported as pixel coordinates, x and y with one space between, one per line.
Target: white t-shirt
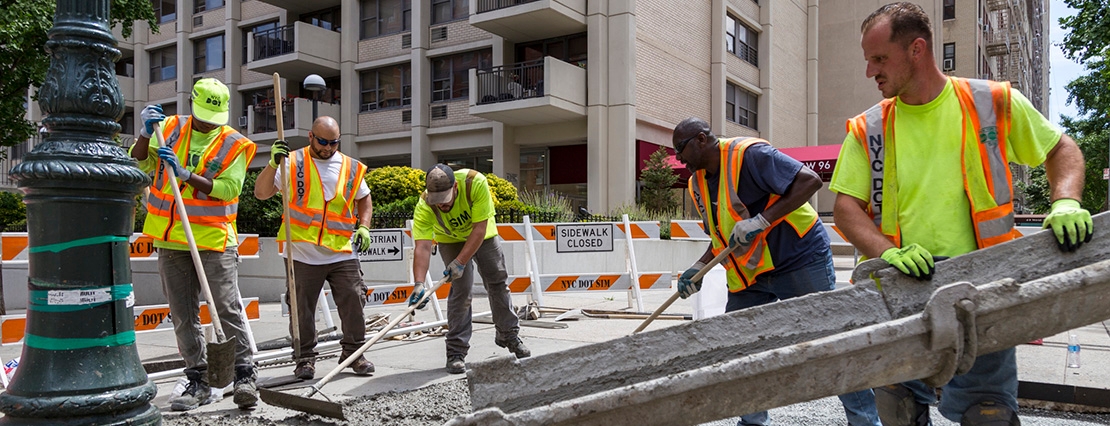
310 253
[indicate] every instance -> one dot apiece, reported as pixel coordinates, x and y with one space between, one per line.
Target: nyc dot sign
583 237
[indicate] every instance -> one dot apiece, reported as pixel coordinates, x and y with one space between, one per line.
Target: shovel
305 403
704 270
221 354
290 280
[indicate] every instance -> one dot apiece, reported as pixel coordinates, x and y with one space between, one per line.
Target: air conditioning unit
439 112
949 64
439 34
198 21
406 116
406 41
242 121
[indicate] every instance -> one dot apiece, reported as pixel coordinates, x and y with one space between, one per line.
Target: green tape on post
74 343
58 247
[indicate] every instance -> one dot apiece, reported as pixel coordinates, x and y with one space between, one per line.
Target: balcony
525 20
294 51
537 92
261 123
298 7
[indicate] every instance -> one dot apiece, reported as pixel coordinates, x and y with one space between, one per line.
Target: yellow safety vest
986 108
741 269
327 223
210 219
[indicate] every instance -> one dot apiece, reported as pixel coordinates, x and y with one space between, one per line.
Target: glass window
949 9
203 5
255 29
949 62
449 10
388 87
327 18
208 54
741 40
381 17
163 64
451 74
741 106
165 10
572 49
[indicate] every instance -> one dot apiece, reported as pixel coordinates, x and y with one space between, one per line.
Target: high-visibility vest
741 269
985 106
211 220
468 187
312 219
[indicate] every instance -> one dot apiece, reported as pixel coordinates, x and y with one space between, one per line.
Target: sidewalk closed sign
585 237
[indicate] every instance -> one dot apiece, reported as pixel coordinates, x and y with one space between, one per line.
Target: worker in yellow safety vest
329 204
926 172
210 161
753 198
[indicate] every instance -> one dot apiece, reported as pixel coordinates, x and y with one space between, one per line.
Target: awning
820 158
644 149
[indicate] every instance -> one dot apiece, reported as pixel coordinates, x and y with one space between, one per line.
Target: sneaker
456 365
246 392
306 369
516 346
361 366
197 393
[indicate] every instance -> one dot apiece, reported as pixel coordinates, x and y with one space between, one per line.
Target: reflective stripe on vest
986 104
313 219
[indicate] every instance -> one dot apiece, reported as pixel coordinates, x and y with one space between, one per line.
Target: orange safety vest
986 108
327 223
211 219
740 269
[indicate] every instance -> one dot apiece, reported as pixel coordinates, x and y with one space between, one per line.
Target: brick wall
166 31
672 67
733 130
161 90
211 18
254 9
789 120
384 121
459 32
742 69
458 112
381 47
252 76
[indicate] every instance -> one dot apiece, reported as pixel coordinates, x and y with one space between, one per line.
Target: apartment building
1003 40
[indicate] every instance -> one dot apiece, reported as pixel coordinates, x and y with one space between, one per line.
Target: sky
1063 70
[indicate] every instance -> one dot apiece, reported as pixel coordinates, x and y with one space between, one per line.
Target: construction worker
331 204
460 220
781 250
210 161
946 191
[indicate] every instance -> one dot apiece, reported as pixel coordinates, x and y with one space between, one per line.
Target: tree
658 177
23 60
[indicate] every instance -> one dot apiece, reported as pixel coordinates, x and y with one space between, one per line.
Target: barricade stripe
519 284
12 329
508 233
13 246
249 246
560 280
678 232
648 281
544 232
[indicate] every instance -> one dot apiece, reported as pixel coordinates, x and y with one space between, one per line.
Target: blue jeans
993 377
817 275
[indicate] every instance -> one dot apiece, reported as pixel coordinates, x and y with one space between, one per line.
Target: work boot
197 392
989 413
361 366
455 364
306 369
897 407
246 392
516 346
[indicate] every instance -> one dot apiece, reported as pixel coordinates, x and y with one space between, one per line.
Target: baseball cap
210 101
441 184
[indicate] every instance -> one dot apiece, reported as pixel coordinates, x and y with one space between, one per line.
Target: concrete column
349 81
622 104
184 24
422 157
717 68
812 43
506 153
766 59
597 101
233 59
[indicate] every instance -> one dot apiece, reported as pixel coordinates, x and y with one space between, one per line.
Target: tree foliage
658 177
394 183
23 59
262 217
501 189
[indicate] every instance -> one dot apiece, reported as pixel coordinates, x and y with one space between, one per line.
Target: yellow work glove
912 260
1071 224
362 239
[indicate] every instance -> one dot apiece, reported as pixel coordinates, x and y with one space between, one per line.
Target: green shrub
554 207
13 213
262 217
407 205
502 189
658 177
393 183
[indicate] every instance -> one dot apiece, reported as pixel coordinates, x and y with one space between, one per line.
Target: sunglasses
682 145
325 142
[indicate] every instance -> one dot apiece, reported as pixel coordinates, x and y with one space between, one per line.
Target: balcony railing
511 82
266 121
274 42
491 5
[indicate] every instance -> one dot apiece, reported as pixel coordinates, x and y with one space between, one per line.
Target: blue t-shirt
767 171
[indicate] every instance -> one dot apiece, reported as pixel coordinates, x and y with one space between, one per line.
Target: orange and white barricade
688 230
15 247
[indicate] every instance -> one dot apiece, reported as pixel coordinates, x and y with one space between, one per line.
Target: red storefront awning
820 158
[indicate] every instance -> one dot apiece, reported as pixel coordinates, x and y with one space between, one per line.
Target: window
381 17
949 62
449 10
327 19
949 9
741 106
741 40
208 54
163 64
388 87
451 74
203 5
126 67
165 10
255 29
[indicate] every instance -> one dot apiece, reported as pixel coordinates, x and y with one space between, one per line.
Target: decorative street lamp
315 84
79 363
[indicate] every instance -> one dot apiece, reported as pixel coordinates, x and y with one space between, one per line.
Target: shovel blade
221 363
300 403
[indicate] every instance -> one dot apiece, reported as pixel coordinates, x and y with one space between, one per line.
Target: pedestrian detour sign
385 245
583 237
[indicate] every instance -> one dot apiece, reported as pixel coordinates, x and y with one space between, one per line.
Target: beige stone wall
458 112
672 67
458 32
788 66
252 76
254 9
741 69
384 121
210 19
381 47
166 31
733 130
162 90
750 9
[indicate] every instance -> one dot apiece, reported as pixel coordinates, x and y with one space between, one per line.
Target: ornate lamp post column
79 363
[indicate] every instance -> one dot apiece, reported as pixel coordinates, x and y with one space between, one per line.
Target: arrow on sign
393 250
